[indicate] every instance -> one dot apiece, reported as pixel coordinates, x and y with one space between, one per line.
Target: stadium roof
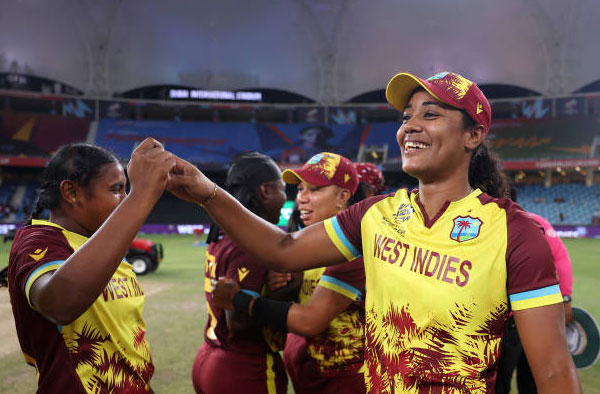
328 50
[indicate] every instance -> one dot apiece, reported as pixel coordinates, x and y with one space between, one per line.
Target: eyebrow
436 103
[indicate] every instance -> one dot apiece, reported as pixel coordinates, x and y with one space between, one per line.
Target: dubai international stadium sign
199 94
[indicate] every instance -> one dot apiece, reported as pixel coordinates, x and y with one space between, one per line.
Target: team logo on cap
465 228
454 84
325 163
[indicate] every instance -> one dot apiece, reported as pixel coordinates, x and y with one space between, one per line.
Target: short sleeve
245 270
347 279
532 279
36 251
562 261
344 229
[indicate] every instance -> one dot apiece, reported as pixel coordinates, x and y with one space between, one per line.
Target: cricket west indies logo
465 228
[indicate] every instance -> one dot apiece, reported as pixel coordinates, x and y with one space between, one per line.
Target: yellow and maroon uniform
245 362
332 361
439 289
103 350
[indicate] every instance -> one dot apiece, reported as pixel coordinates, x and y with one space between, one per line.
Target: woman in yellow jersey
444 263
77 304
324 350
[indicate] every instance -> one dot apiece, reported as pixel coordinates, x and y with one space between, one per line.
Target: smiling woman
444 264
79 336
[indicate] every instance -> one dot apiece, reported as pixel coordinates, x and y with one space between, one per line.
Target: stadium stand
572 204
524 132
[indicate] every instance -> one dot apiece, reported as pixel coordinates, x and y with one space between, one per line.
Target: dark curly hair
485 171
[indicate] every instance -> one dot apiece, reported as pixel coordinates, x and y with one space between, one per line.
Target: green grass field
175 315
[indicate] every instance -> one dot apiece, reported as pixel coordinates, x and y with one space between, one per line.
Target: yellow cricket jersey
340 347
439 289
104 349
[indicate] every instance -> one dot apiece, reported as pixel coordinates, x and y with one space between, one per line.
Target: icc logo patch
403 213
465 228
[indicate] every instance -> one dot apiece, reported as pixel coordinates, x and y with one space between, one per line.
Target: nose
411 125
302 196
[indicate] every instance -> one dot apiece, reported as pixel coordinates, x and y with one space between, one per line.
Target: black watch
567 298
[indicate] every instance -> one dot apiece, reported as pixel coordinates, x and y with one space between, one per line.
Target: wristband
567 298
241 303
265 311
271 313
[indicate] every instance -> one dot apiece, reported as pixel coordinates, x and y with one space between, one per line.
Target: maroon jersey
225 259
104 349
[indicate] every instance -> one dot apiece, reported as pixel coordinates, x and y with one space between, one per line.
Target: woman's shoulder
37 234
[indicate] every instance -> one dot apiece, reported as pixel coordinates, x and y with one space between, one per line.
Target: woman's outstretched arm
304 249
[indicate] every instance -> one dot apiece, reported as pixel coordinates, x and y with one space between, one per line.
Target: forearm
264 239
552 366
302 321
563 381
274 247
263 311
82 277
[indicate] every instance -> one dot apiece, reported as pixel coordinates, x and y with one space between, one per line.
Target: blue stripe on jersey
41 267
342 237
344 285
251 292
527 295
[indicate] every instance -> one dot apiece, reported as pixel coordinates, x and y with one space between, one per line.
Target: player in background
237 355
512 355
324 350
442 263
370 179
77 304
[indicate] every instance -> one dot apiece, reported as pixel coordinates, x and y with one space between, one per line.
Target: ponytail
486 173
37 211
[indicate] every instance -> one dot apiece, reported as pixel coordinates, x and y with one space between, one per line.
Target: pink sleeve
560 255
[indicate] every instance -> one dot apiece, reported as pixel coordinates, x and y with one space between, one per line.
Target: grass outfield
175 315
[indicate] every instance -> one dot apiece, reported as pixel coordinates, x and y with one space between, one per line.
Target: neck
435 194
67 222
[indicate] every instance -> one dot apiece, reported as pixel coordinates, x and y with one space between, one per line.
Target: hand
277 280
188 183
568 312
148 169
223 292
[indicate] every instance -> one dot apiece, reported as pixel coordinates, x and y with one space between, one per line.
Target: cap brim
400 87
297 176
290 177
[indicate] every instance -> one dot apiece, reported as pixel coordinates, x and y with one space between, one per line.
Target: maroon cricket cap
450 88
371 175
325 169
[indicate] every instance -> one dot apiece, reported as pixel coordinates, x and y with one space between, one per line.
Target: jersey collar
429 222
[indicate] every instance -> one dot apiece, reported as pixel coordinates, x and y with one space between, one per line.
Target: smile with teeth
414 145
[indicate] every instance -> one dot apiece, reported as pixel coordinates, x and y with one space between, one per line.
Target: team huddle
402 292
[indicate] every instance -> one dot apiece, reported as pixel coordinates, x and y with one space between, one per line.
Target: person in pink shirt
512 355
